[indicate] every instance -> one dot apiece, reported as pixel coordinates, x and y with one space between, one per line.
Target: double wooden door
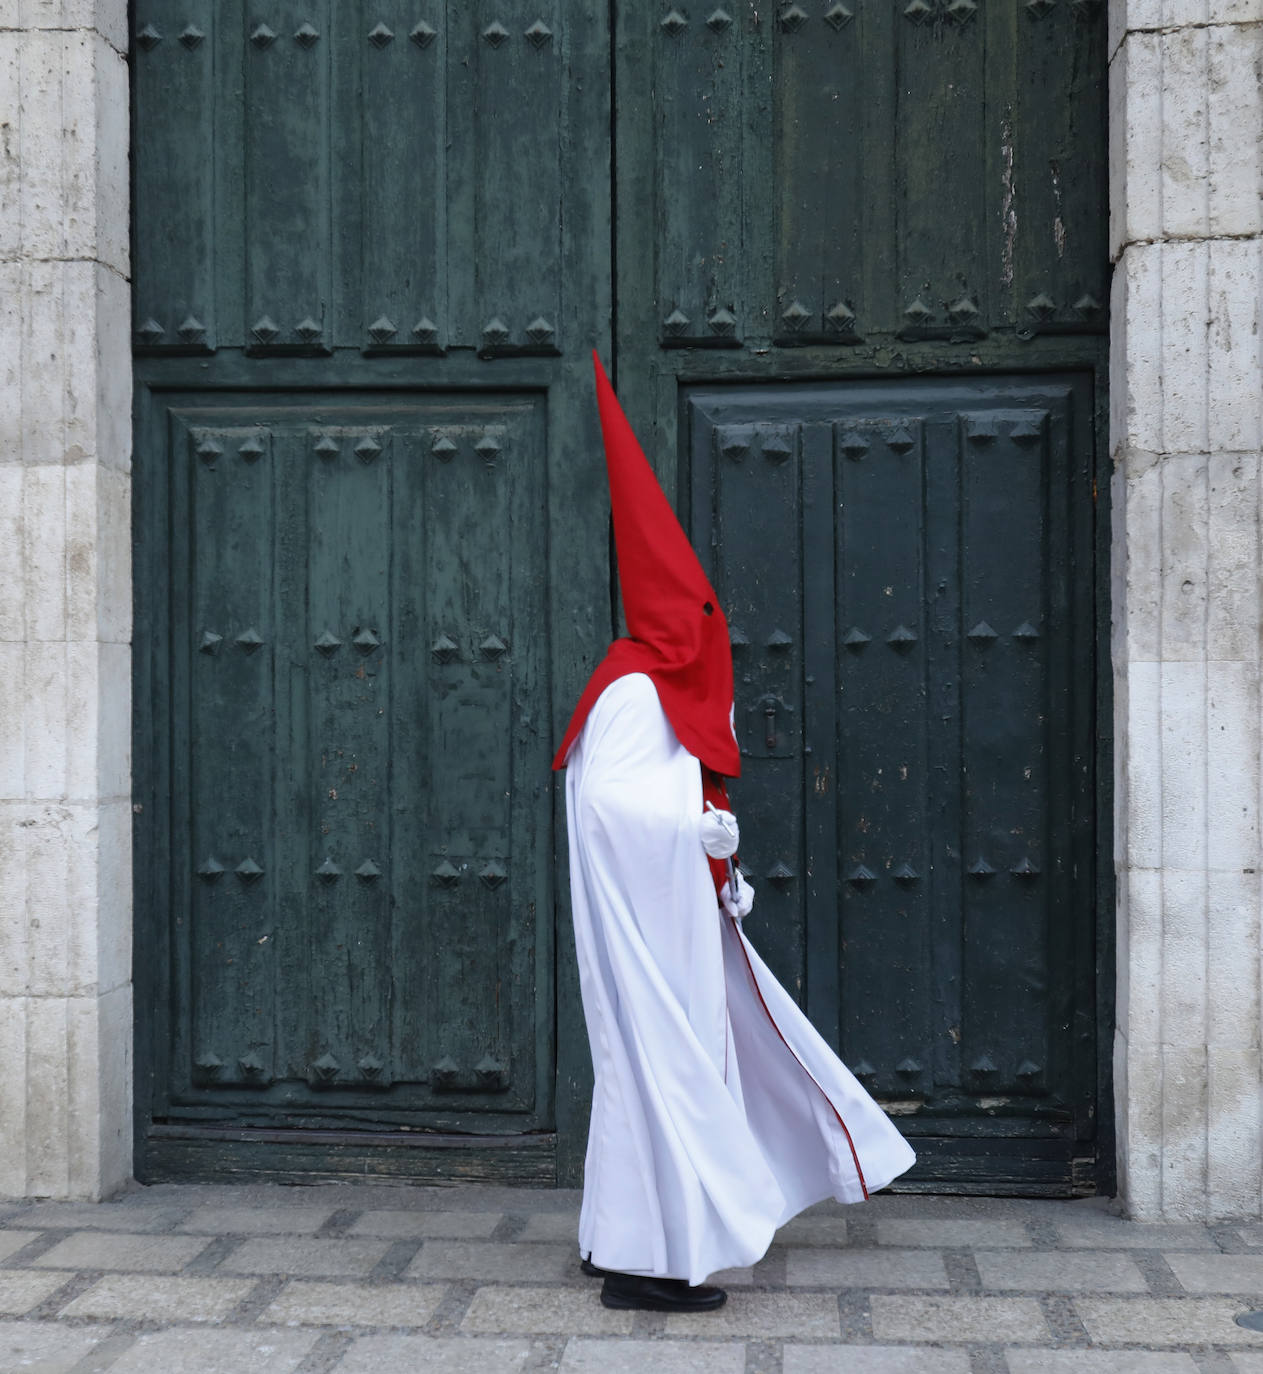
848 264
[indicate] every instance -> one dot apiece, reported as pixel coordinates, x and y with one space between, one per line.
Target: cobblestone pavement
358 1279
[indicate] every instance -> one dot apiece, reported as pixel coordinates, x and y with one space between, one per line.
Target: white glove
720 836
740 908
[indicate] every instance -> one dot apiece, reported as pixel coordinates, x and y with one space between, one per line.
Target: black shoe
593 1271
659 1295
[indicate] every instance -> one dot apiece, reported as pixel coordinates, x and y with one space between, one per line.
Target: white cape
718 1111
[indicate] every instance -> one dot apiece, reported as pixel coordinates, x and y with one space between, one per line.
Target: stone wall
65 600
1186 122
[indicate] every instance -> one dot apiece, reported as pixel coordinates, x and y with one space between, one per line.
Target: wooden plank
885 643
178 1155
288 201
231 643
173 287
400 115
820 81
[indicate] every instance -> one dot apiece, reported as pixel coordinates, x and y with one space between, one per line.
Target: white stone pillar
65 600
1186 380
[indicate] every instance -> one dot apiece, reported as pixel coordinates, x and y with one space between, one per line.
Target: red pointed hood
676 630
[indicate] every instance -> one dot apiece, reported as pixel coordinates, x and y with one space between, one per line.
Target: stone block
1246 1363
13 1071
12 565
1185 555
158 1298
72 148
23 1289
763 1316
873 1359
1098 1362
1135 126
312 1303
1184 921
1058 1272
1232 766
1233 1007
1140 1011
546 1311
662 1357
960 1319
256 1221
126 1254
1233 351
491 1262
1234 1147
1138 552
401 1225
952 1231
451 1354
1179 1322
854 1268
1138 1105
1184 1129
44 554
200 1351
1136 359
1230 87
47 1348
1141 788
1182 108
73 384
107 17
305 1258
1233 608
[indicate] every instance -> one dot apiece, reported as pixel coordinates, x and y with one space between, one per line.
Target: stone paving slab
1201 1273
1098 1362
439 1225
310 1303
873 1359
929 1232
551 1311
1053 1271
102 1216
343 1279
13 1241
652 1357
821 1268
256 1221
45 1346
24 1289
158 1298
377 1354
1164 1321
477 1260
979 1320
111 1250
216 1352
763 1315
305 1258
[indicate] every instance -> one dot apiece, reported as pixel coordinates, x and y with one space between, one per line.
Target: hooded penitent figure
718 1112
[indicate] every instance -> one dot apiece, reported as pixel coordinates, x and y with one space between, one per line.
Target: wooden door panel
939 537
360 627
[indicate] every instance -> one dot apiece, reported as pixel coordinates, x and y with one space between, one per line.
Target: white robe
718 1111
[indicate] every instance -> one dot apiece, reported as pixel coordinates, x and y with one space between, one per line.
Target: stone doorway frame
1186 432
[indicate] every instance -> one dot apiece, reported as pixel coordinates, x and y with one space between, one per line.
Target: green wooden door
372 249
373 246
860 310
